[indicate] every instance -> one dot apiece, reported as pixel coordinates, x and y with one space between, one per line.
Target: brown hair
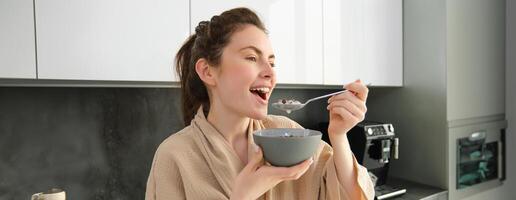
207 42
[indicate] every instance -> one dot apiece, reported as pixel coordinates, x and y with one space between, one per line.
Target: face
245 77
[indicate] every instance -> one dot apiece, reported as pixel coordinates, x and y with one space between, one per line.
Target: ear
205 72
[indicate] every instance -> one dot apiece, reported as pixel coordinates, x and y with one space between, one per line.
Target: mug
52 194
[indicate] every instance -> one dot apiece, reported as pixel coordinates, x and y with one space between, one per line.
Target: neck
230 124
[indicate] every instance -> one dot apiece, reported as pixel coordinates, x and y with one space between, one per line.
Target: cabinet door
295 30
476 58
363 40
17 46
132 40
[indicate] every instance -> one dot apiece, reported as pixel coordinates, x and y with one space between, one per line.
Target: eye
272 64
251 58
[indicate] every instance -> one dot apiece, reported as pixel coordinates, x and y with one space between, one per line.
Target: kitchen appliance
374 145
477 157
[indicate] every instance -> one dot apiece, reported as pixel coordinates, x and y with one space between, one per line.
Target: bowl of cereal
285 147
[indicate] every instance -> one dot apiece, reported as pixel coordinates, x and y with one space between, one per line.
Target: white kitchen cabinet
363 40
133 40
17 46
295 30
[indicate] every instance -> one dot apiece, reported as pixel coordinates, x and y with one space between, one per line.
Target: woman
227 76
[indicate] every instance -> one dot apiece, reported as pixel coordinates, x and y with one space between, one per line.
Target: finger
281 173
301 173
288 173
352 108
344 114
256 158
349 97
359 88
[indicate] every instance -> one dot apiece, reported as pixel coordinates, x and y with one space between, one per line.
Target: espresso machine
374 145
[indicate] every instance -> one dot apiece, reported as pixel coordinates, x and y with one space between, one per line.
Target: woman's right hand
256 178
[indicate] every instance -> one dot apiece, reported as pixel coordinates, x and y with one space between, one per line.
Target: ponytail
194 93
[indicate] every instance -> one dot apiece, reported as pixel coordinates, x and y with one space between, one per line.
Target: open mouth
260 92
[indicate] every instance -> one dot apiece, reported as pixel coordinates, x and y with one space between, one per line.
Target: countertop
417 191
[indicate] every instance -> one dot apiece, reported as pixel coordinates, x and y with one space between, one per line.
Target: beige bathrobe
198 163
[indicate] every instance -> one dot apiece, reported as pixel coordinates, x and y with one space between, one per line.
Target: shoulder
277 121
176 145
167 168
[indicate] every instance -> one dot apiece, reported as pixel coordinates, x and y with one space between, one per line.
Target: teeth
262 89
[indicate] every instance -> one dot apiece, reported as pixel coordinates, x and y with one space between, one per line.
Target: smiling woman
227 76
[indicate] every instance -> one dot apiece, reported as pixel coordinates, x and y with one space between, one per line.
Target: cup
52 194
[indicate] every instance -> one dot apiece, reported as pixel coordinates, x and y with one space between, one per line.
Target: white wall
508 190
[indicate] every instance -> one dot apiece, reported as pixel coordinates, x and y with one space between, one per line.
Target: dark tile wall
95 143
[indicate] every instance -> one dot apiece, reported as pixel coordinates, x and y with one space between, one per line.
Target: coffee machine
374 145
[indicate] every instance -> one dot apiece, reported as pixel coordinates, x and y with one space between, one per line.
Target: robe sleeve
165 180
331 188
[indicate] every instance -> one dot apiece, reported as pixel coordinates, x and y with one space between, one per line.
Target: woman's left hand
347 109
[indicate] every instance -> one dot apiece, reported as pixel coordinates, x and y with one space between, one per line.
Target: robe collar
222 160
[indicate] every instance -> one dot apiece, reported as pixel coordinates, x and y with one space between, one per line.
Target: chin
258 114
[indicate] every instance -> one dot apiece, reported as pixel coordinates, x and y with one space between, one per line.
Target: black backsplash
95 143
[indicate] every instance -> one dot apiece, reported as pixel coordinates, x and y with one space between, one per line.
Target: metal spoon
291 105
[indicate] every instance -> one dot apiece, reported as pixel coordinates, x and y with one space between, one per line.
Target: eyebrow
256 50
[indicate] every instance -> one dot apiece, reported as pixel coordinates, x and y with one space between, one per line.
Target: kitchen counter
417 191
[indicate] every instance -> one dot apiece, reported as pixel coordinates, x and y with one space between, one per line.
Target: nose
267 71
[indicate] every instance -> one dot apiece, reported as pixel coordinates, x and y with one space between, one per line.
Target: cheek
241 75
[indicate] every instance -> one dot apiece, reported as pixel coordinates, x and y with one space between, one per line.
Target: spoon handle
324 96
